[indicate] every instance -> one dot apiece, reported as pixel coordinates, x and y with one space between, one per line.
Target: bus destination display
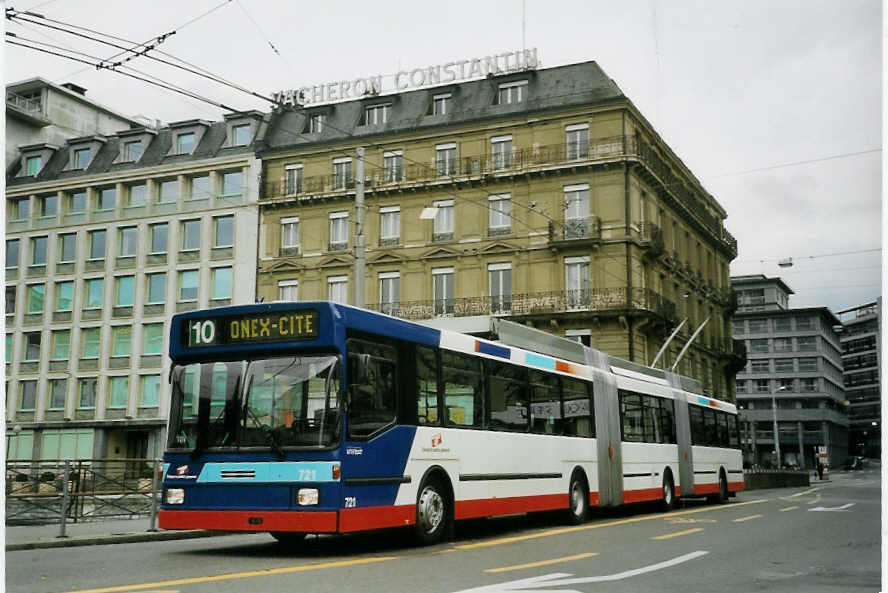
253 329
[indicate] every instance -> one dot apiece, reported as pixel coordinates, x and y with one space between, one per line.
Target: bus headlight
308 496
174 496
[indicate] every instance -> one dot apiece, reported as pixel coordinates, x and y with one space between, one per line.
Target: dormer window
132 151
185 143
33 164
512 92
316 123
377 114
81 158
240 135
441 104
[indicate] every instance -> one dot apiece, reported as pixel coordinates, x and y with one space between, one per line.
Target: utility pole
358 299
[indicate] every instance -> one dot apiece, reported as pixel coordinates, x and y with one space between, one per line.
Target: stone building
861 361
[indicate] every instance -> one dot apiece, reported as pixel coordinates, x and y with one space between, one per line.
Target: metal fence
40 492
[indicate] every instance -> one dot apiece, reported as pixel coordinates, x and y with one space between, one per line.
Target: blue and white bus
316 417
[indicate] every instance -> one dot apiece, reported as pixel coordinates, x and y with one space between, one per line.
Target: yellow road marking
783 510
678 533
563 530
238 575
542 562
797 494
815 501
749 518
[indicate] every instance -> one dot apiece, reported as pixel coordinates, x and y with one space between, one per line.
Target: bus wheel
288 538
579 500
720 497
668 502
432 513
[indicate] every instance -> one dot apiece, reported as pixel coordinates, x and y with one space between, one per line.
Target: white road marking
560 579
843 509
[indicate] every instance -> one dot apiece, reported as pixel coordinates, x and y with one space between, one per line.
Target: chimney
75 88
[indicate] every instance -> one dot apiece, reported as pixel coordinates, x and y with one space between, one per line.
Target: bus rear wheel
288 538
433 515
579 500
720 497
668 502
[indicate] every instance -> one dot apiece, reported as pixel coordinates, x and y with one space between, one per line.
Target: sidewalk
30 537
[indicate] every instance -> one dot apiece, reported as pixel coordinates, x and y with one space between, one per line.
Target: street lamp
774 413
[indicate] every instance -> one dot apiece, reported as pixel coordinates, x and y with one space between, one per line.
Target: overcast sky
737 89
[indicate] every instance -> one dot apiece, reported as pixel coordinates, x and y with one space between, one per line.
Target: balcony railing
32 105
576 229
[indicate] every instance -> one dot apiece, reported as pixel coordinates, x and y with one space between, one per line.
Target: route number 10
202 333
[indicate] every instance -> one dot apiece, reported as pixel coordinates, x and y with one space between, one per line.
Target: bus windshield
264 403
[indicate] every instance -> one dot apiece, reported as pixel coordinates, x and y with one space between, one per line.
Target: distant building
793 358
861 356
41 112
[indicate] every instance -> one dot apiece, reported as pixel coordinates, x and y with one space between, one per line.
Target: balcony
652 237
575 232
27 108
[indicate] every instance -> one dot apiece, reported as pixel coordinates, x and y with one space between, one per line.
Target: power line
796 163
833 254
267 40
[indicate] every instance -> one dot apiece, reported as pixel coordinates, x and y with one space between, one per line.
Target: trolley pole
358 299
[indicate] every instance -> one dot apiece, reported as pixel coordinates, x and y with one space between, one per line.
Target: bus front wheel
579 500
668 502
432 512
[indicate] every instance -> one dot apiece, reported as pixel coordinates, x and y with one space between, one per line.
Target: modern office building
105 241
861 358
794 360
543 196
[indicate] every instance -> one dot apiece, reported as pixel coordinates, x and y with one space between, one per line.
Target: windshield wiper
269 434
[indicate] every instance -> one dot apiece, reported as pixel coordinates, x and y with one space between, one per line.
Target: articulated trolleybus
316 417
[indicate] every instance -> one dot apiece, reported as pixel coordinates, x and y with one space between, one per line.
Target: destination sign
253 329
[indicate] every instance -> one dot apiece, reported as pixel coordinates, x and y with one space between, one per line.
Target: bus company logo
436 440
181 470
354 451
182 474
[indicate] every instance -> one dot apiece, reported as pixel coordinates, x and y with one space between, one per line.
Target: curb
123 538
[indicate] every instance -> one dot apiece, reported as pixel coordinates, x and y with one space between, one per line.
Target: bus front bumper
300 521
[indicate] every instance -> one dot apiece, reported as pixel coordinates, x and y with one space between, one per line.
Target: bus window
710 429
667 421
579 420
650 418
722 419
733 432
545 404
426 386
372 387
508 396
698 431
463 390
631 412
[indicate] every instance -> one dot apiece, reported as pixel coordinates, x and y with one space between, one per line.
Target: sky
775 106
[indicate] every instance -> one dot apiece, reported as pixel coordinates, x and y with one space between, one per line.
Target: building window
786 384
222 279
137 194
501 152
107 198
338 231
577 282
38 251
759 345
741 386
21 209
132 151
156 288
149 396
10 300
337 289
87 395
445 158
35 295
807 343
442 290
57 391
576 211
223 231
393 165
808 384
158 238
577 141
783 324
28 396
61 341
169 191
293 179
499 214
49 205
129 241
342 176
316 124
512 92
91 342
152 339
290 236
199 187
443 227
121 340
32 346
81 158
233 183
185 143
500 284
760 366
758 326
240 135
389 292
64 297
190 235
782 344
9 348
783 365
76 202
97 245
377 114
119 392
808 365
288 290
12 253
389 225
188 285
95 288
441 104
33 164
804 323
125 291
762 386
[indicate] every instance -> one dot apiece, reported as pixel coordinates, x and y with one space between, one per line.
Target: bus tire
433 512
669 500
288 538
720 497
578 496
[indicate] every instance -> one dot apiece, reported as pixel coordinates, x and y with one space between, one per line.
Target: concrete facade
861 361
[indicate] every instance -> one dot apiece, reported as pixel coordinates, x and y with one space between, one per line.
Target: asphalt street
823 538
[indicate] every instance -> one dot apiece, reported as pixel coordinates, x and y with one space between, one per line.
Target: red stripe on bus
736 486
594 499
642 495
491 507
309 522
706 488
361 518
678 490
562 366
